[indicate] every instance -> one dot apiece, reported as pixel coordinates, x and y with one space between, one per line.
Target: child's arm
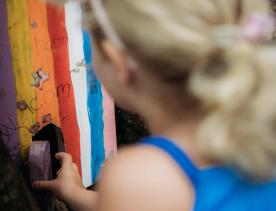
137 179
68 186
84 200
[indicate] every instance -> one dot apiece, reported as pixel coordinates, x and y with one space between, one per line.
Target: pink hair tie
259 27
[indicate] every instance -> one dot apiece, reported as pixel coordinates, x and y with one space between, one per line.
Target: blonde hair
233 79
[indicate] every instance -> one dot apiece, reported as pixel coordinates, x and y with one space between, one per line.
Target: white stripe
78 75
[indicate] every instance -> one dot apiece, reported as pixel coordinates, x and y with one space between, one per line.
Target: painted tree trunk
14 192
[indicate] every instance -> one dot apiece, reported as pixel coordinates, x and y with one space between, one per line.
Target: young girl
201 74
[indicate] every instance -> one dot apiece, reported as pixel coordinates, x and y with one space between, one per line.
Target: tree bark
14 193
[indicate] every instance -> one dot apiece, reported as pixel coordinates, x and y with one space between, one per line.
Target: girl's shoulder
144 178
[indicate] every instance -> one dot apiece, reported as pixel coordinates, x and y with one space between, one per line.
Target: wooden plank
8 116
22 67
59 44
79 80
110 140
95 110
42 57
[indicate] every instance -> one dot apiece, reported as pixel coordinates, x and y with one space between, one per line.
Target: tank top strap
177 154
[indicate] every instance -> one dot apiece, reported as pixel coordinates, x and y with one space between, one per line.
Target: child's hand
68 182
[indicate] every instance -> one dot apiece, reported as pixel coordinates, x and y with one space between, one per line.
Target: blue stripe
95 110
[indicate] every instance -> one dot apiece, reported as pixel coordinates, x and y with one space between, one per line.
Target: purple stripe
8 117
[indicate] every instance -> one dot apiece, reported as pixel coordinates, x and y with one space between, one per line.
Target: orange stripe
59 43
42 57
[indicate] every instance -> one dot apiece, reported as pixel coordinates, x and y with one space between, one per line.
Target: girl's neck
180 127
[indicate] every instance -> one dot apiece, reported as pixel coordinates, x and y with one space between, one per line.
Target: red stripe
68 117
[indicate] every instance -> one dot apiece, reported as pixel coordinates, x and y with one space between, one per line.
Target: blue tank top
218 188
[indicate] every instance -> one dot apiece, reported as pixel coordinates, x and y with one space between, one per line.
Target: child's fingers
62 155
75 167
65 158
44 185
58 172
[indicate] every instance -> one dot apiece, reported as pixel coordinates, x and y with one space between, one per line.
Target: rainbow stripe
110 142
8 117
95 110
65 92
21 49
42 57
79 78
50 80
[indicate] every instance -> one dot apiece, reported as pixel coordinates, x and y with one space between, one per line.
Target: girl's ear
125 66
